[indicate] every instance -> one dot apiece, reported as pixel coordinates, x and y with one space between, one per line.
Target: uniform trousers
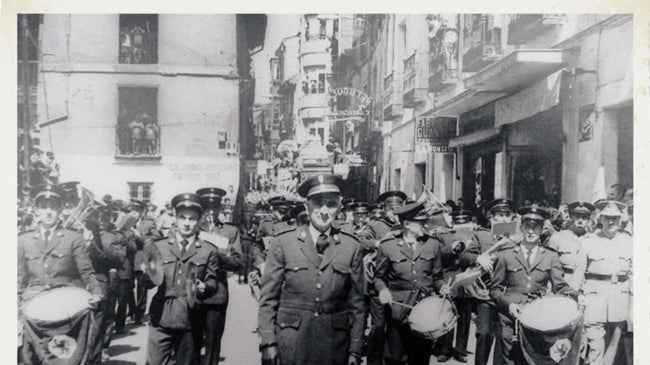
487 325
140 298
212 324
446 342
511 353
102 329
377 333
405 347
124 296
171 347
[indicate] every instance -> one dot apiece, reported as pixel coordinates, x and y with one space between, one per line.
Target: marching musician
607 282
455 240
478 252
387 202
107 252
522 272
213 308
144 228
311 306
409 268
50 256
568 243
173 310
360 228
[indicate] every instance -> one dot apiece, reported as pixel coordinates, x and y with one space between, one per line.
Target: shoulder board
550 249
507 246
346 233
482 229
285 230
626 232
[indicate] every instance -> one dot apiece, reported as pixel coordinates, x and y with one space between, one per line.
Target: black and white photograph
324 188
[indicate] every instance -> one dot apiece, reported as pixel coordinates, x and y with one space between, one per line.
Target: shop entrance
478 172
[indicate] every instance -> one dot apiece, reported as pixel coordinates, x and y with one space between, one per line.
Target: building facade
147 105
536 107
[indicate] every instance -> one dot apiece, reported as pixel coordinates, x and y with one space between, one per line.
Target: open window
138 131
138 38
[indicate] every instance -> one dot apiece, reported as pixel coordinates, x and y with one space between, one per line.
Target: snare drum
57 325
550 330
433 317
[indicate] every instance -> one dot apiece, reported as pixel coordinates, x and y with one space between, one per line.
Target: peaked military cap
500 205
187 200
68 191
348 202
137 205
46 191
611 208
281 205
321 184
349 206
210 197
533 212
375 207
581 207
120 205
296 210
461 216
275 199
361 208
392 193
412 212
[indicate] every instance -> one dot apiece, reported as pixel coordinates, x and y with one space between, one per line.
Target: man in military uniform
50 256
409 268
376 211
107 252
522 272
388 201
568 243
454 242
145 227
607 281
311 306
229 252
185 272
482 252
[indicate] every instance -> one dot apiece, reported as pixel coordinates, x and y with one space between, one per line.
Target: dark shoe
460 358
443 358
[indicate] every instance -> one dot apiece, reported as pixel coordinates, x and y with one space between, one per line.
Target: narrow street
239 344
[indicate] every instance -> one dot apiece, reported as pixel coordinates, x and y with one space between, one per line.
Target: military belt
319 307
602 277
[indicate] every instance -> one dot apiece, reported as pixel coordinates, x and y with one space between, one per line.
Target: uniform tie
46 234
321 243
184 247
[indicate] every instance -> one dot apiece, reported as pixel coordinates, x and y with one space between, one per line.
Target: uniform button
413 263
179 281
296 268
320 273
317 299
528 285
316 314
415 280
414 272
45 266
180 271
318 285
282 324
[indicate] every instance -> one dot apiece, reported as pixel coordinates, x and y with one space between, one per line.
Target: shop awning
540 96
472 138
517 69
464 102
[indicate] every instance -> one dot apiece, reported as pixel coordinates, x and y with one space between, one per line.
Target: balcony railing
441 74
147 146
524 27
415 80
391 100
409 73
482 44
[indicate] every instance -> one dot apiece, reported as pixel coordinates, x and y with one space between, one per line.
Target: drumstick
404 305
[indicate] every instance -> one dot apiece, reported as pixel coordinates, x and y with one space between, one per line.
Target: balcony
482 45
314 100
415 90
441 72
524 27
392 100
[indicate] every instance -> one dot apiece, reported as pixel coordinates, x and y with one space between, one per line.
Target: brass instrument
85 209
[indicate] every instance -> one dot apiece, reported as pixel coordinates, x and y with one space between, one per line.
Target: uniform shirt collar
314 233
180 239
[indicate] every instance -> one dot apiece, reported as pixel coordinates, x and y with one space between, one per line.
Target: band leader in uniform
311 305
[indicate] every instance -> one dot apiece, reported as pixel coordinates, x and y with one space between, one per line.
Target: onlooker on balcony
136 128
151 136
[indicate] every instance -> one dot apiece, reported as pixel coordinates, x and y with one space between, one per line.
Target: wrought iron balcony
524 27
482 44
392 100
441 74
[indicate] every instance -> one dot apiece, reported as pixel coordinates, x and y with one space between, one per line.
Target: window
138 38
397 179
140 191
138 132
316 80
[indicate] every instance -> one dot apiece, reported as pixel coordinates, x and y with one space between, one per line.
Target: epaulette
288 229
481 229
508 245
346 233
550 248
26 231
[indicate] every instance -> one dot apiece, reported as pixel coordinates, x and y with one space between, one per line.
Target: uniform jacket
107 253
409 274
514 279
572 256
608 300
146 227
381 227
365 234
451 263
229 260
64 261
311 305
483 241
170 307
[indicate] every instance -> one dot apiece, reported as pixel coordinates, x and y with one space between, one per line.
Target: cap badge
320 179
186 196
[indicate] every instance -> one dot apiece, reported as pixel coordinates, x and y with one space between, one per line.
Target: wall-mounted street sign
358 101
435 132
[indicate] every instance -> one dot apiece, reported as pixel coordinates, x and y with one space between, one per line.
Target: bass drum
433 317
57 305
551 339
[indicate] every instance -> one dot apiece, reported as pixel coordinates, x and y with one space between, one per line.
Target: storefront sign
363 104
435 132
586 117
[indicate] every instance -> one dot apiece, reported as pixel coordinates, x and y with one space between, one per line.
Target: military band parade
337 280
